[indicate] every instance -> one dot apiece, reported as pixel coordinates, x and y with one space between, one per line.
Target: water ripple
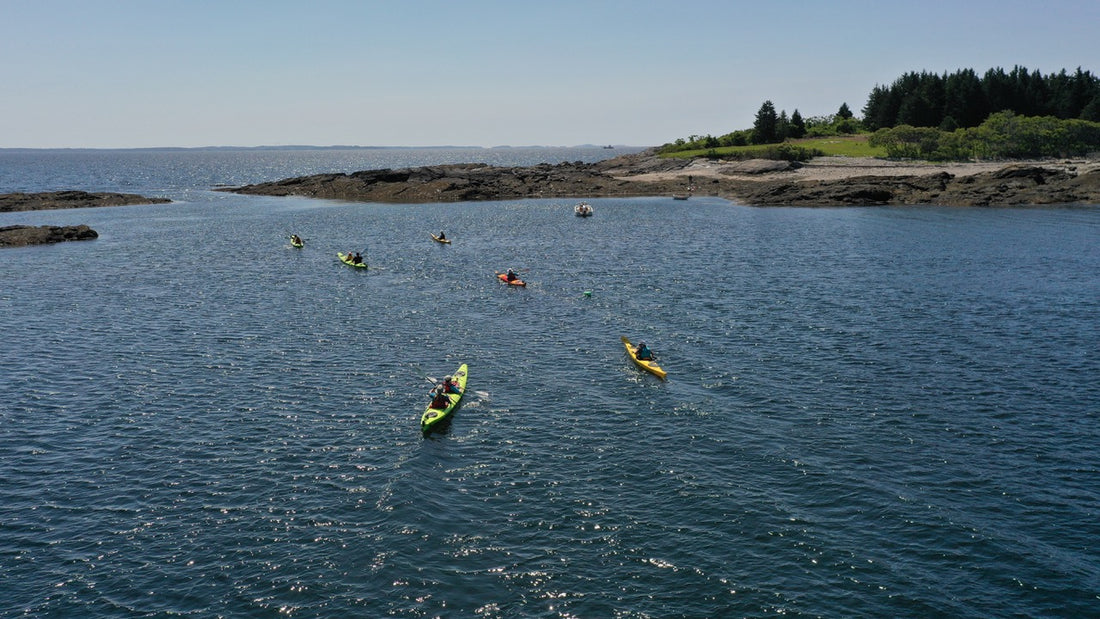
868 413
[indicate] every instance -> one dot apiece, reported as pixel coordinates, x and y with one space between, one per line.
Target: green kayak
434 416
346 259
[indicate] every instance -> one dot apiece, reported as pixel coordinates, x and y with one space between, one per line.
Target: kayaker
442 237
643 352
294 239
450 386
357 259
512 275
440 400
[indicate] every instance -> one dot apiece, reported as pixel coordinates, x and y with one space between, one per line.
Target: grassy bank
835 146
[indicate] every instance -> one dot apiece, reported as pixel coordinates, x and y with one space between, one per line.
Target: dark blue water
873 412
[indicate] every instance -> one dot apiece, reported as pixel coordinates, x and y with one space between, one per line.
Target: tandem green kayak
432 417
347 259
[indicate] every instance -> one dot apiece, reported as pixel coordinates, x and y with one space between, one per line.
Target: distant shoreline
304 147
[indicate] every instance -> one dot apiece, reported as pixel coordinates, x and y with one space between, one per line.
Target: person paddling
643 352
450 386
440 400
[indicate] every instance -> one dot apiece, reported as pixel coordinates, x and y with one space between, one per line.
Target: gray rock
18 236
10 202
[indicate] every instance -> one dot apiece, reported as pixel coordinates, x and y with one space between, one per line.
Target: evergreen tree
798 126
877 114
1069 94
918 111
764 129
927 99
844 113
1091 111
998 90
1029 92
1086 87
964 100
782 127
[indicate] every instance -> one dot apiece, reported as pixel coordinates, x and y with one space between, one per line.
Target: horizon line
303 147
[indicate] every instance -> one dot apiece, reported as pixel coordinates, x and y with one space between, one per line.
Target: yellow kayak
647 365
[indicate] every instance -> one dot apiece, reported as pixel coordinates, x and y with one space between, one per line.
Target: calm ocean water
870 412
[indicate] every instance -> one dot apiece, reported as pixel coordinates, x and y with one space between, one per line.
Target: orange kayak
515 282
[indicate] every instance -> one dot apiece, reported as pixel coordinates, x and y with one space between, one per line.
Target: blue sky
143 73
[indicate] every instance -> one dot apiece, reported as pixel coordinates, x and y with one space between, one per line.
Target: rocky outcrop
856 191
461 183
645 162
758 166
763 183
18 236
70 199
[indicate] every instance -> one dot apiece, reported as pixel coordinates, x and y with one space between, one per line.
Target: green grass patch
831 146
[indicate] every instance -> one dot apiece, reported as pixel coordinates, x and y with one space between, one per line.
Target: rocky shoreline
825 181
1013 185
463 183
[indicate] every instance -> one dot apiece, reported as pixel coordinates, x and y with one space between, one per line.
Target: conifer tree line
1017 113
963 99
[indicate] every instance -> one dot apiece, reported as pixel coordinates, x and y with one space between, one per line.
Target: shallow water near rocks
869 412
